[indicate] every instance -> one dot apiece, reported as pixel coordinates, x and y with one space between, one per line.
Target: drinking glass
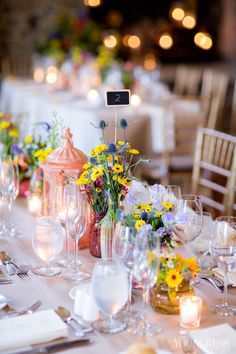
65 205
146 266
174 191
47 243
223 251
110 292
189 219
77 225
123 250
9 189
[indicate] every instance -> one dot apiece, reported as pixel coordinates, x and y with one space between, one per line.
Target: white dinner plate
3 301
72 291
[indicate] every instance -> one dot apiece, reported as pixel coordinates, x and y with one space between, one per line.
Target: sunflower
124 181
133 151
167 205
5 125
96 173
13 133
100 148
28 139
174 278
139 224
117 168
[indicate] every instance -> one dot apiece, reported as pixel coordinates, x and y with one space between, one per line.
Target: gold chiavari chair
187 80
214 172
214 90
21 67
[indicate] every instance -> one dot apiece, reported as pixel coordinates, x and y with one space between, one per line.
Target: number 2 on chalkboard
117 97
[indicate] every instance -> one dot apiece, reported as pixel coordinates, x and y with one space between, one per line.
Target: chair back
214 172
214 89
21 67
187 80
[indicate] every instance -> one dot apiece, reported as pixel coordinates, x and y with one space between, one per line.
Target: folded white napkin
25 330
216 340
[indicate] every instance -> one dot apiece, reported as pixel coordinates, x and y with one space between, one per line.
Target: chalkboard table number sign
117 99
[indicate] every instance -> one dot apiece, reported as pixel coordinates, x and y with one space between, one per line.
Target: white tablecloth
39 103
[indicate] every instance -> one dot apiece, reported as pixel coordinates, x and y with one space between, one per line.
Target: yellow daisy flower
117 168
120 142
98 190
124 181
136 215
100 148
174 278
13 133
96 173
109 158
92 153
38 153
159 213
133 151
167 205
5 125
139 224
28 139
192 264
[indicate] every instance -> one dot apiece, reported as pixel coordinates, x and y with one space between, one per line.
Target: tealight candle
34 204
190 311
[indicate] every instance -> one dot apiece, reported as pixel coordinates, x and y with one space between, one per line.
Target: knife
54 348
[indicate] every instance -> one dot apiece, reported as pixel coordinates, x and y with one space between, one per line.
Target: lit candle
34 204
190 311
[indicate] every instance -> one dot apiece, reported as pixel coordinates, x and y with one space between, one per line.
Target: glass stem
145 300
225 302
76 254
67 245
130 279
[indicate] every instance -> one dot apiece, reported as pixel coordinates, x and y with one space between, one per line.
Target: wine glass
189 219
77 225
65 205
47 243
110 292
223 251
9 188
123 250
146 266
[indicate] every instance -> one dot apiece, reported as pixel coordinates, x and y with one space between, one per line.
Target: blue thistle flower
144 215
112 148
92 160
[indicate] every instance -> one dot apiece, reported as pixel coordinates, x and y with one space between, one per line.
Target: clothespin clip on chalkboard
116 99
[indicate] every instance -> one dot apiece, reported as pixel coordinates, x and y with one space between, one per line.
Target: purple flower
161 231
111 148
168 218
15 150
144 215
130 198
145 229
92 160
181 217
122 216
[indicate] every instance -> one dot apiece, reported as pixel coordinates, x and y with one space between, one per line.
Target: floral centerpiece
173 281
151 208
9 133
107 175
34 150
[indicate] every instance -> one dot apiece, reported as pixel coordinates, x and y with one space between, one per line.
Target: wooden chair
233 111
21 67
214 172
187 80
214 90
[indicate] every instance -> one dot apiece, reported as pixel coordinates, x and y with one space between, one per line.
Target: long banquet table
54 292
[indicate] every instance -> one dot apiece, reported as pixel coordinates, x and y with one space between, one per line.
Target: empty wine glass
223 251
189 219
146 266
9 188
47 243
110 292
123 250
65 205
77 225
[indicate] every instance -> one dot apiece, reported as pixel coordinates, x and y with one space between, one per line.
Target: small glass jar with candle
190 311
35 204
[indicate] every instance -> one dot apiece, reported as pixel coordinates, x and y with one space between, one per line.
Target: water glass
223 251
146 267
110 292
47 243
77 225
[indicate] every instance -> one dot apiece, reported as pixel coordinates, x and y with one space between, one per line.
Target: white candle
34 204
190 311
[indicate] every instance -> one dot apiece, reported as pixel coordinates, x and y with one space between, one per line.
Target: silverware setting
12 268
28 310
217 283
67 317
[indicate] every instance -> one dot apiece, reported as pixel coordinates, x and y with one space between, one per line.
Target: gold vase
161 302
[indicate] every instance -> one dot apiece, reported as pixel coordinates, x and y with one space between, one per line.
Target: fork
22 272
28 310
